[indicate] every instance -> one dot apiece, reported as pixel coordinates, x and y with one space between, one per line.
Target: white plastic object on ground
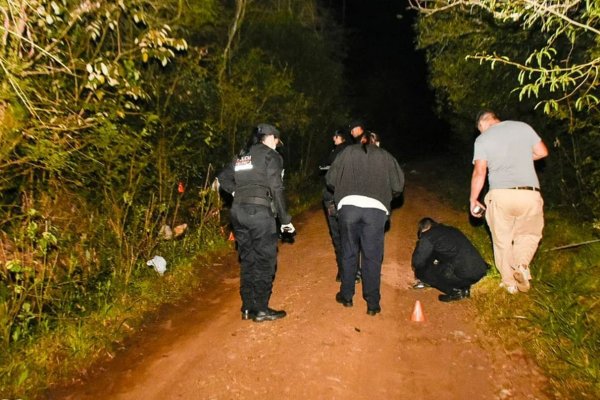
159 264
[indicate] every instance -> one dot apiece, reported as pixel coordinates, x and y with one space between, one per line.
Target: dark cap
267 129
357 122
343 133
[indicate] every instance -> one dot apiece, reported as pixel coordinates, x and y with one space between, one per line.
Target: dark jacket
451 248
257 175
326 164
366 170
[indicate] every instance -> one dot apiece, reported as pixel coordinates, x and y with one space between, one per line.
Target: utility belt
261 201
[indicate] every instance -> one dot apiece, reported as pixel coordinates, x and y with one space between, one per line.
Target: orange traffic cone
231 237
417 314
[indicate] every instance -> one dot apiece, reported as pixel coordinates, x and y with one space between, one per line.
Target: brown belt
526 188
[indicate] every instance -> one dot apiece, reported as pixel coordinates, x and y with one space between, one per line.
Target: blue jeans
362 231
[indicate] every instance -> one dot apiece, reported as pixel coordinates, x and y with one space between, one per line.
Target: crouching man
445 259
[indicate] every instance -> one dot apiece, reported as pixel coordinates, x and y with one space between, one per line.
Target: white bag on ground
159 264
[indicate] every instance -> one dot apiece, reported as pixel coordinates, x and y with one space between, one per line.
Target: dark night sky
386 76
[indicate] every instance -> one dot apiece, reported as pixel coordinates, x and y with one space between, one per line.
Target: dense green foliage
537 64
107 109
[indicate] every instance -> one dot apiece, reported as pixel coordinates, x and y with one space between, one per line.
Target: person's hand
477 209
288 228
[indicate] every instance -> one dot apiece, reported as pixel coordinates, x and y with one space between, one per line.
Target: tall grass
112 312
567 308
66 300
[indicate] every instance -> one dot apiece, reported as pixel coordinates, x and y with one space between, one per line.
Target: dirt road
321 350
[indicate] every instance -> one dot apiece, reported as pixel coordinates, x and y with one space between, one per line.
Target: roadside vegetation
114 118
557 322
535 61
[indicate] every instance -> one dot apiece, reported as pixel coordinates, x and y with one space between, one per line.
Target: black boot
456 294
268 315
340 299
248 314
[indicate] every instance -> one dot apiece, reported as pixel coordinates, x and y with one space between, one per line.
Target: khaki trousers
516 221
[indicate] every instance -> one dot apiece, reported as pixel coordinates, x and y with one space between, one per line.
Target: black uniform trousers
443 277
362 231
256 236
334 231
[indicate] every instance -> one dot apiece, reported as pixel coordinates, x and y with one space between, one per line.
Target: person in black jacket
364 178
341 140
445 259
255 179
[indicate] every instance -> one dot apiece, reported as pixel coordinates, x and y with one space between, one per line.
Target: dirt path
321 350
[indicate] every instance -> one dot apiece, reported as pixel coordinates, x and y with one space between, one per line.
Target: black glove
287 236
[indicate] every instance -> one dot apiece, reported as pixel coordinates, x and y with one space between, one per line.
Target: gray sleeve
397 178
334 169
534 138
479 152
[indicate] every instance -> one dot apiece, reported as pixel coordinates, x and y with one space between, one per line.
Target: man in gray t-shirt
505 151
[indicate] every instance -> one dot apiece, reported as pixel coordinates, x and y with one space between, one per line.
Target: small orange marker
231 237
417 314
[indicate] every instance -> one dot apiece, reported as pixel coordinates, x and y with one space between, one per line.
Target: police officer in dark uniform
341 139
255 179
445 259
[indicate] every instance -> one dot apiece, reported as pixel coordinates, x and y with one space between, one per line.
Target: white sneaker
522 275
512 289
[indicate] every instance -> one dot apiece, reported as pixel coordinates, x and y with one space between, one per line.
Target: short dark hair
481 114
357 122
424 225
